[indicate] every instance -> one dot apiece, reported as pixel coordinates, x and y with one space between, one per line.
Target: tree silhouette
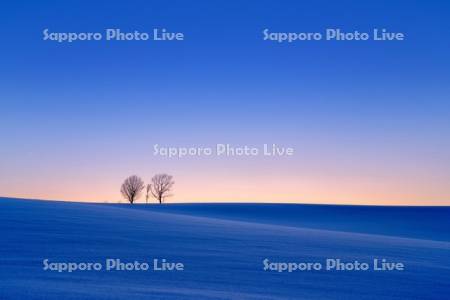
147 192
131 188
161 186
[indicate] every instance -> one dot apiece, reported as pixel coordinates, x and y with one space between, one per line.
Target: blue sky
372 118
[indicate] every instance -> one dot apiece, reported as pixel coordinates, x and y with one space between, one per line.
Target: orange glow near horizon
262 188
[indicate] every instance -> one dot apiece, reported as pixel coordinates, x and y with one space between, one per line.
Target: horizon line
216 202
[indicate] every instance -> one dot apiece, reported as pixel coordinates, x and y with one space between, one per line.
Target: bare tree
131 188
161 186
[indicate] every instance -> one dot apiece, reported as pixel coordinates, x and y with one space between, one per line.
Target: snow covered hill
222 248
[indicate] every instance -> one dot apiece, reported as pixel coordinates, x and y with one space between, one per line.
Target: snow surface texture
222 247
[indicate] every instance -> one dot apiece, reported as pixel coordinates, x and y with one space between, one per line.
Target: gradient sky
369 121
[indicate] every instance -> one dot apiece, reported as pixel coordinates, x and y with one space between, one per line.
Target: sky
369 121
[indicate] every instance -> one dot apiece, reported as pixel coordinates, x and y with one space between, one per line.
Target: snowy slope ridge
431 223
222 251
